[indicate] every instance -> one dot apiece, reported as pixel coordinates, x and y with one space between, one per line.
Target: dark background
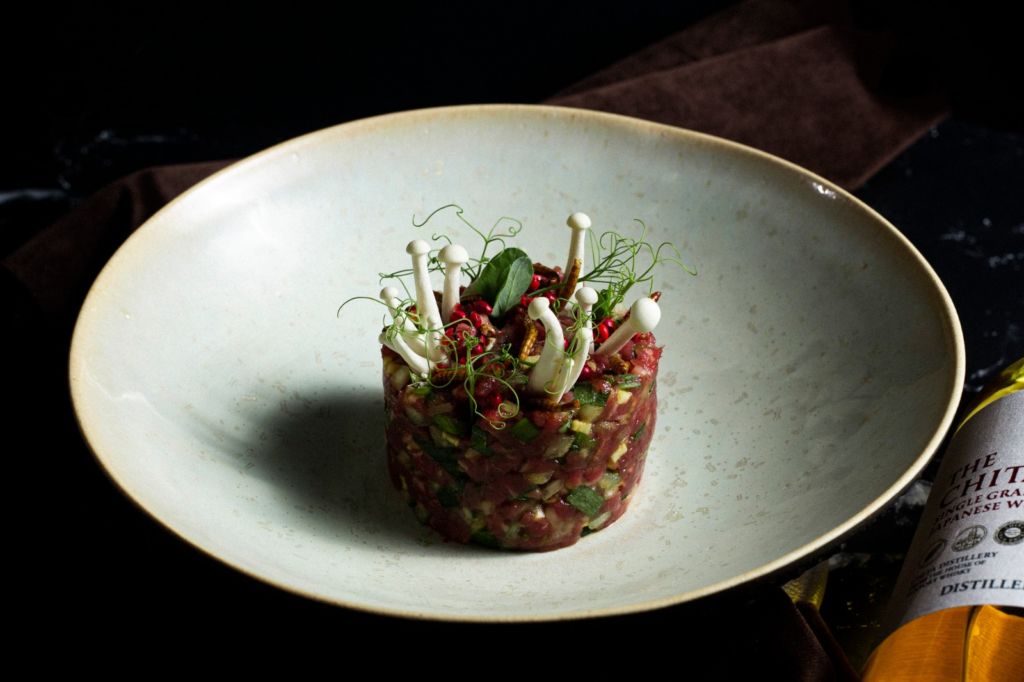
95 93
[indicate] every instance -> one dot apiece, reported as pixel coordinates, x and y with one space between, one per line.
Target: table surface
955 193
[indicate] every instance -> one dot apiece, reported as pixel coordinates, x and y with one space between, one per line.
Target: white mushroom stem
579 223
417 363
644 316
584 339
454 257
426 304
412 336
545 372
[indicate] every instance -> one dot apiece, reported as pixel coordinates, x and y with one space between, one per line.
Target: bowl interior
809 369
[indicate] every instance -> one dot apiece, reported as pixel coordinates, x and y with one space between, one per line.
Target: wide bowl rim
795 557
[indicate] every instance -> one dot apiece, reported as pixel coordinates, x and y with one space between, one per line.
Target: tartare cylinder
534 476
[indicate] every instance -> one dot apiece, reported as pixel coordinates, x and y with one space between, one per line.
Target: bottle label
969 548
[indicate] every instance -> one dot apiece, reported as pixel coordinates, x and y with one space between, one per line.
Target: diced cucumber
609 480
597 523
539 478
449 425
586 394
524 430
586 499
443 439
415 416
589 413
559 446
550 489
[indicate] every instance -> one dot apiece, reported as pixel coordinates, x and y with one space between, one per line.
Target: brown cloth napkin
788 77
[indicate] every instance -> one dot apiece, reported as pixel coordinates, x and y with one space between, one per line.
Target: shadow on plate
326 455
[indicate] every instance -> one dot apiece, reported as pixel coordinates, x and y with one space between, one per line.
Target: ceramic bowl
810 368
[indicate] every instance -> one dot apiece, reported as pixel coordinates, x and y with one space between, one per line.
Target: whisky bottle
957 611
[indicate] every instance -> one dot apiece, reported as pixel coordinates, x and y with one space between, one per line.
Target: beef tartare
520 407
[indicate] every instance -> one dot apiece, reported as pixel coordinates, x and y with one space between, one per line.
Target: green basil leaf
489 283
517 281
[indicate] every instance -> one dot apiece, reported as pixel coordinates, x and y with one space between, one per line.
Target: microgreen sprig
620 262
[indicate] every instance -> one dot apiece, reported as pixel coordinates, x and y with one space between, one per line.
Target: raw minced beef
538 480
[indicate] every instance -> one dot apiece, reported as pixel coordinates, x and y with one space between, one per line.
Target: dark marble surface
956 194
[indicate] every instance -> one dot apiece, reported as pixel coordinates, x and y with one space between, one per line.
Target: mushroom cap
388 294
453 254
586 297
578 221
644 315
417 247
537 307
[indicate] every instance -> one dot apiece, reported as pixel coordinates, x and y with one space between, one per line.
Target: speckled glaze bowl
810 369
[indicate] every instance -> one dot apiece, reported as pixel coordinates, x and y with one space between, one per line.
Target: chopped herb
586 499
445 456
449 425
586 394
421 389
639 432
524 430
582 441
587 530
621 261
